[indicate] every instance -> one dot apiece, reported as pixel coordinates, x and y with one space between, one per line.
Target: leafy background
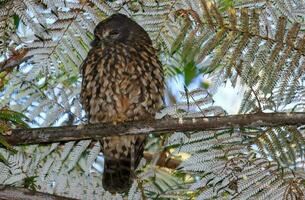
254 46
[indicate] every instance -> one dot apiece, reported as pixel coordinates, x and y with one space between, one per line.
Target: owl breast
121 82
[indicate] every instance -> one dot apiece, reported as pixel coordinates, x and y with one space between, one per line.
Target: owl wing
88 68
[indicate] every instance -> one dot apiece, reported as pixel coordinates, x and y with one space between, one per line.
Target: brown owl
122 81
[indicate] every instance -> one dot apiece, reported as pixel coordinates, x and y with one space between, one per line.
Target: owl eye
114 33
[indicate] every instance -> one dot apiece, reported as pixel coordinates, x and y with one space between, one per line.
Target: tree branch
163 161
14 193
97 131
15 60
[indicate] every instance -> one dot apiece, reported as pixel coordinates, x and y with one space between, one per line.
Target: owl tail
122 157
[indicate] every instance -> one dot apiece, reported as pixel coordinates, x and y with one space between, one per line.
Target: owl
122 81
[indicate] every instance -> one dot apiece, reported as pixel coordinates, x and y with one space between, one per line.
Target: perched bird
122 81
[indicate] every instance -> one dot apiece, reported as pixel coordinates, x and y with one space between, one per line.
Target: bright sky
229 98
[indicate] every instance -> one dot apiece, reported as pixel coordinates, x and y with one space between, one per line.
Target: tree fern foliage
254 43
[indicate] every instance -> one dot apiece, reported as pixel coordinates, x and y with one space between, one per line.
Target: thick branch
97 131
10 193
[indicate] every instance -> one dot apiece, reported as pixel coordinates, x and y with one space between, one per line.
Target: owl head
119 28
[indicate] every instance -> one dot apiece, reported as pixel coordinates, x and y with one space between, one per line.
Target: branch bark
14 193
97 131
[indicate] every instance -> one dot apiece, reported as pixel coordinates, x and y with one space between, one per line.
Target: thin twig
15 60
163 161
14 193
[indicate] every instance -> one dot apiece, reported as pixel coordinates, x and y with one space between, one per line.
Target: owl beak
94 42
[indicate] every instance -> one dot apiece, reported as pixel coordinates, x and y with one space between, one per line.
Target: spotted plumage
122 81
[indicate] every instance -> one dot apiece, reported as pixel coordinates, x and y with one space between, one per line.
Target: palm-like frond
258 42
